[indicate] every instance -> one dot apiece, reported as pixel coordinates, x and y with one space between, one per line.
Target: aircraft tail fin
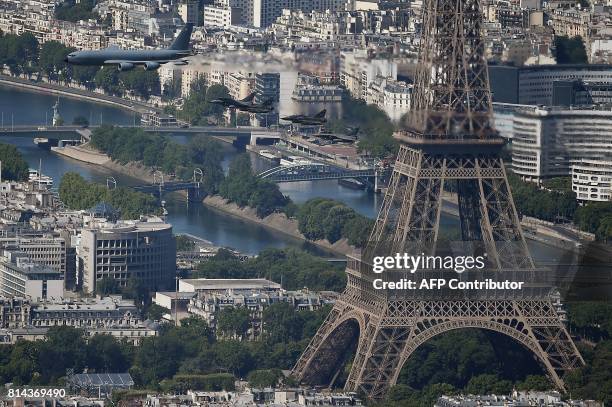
181 42
321 114
248 98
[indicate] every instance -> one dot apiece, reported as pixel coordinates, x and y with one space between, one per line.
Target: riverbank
276 221
88 155
279 222
76 93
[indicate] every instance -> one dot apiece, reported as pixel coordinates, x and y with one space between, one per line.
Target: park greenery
192 356
196 108
244 188
555 201
77 193
24 55
376 129
570 50
73 10
293 268
176 358
321 218
13 165
161 152
551 204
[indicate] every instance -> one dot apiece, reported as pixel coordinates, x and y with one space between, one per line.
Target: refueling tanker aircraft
126 59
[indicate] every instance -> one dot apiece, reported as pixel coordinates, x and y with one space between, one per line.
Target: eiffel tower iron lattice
450 140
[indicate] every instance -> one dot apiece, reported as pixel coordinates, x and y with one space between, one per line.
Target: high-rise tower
450 141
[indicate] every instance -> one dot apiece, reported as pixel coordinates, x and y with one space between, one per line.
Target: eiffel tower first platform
450 142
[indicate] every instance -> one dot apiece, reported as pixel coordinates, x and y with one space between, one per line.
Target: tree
63 349
264 378
570 50
105 354
72 10
244 188
142 83
107 286
13 166
51 60
156 312
234 322
107 78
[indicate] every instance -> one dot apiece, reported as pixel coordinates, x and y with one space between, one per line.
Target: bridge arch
343 333
313 171
510 327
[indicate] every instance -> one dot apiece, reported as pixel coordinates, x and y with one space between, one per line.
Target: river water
25 107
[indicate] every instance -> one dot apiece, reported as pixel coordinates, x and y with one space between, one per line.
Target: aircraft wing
127 61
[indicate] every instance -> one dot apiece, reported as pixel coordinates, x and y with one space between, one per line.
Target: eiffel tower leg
324 354
377 368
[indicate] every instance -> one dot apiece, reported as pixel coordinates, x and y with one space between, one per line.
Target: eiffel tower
450 140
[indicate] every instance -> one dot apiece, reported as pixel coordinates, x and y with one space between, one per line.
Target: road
218 131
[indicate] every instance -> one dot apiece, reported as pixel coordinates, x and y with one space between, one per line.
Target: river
26 107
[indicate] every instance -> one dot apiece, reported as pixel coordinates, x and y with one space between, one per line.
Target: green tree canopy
14 167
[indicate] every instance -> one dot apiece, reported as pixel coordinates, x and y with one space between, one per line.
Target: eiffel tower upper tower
450 139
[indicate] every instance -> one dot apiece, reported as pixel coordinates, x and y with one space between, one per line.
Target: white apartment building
592 180
169 73
221 17
391 96
549 142
357 72
571 23
240 84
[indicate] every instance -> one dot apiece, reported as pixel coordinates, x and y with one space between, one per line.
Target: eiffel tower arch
450 140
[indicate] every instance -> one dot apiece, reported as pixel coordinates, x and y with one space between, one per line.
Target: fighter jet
128 59
349 137
316 120
233 103
266 106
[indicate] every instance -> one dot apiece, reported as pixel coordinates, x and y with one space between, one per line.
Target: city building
222 285
592 180
44 248
29 319
546 142
390 95
144 250
357 72
222 15
267 86
265 12
208 303
189 10
21 277
239 84
534 85
308 89
517 399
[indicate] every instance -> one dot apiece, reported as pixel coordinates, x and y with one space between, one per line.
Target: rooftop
229 283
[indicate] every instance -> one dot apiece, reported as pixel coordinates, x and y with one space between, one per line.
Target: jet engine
151 66
125 66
